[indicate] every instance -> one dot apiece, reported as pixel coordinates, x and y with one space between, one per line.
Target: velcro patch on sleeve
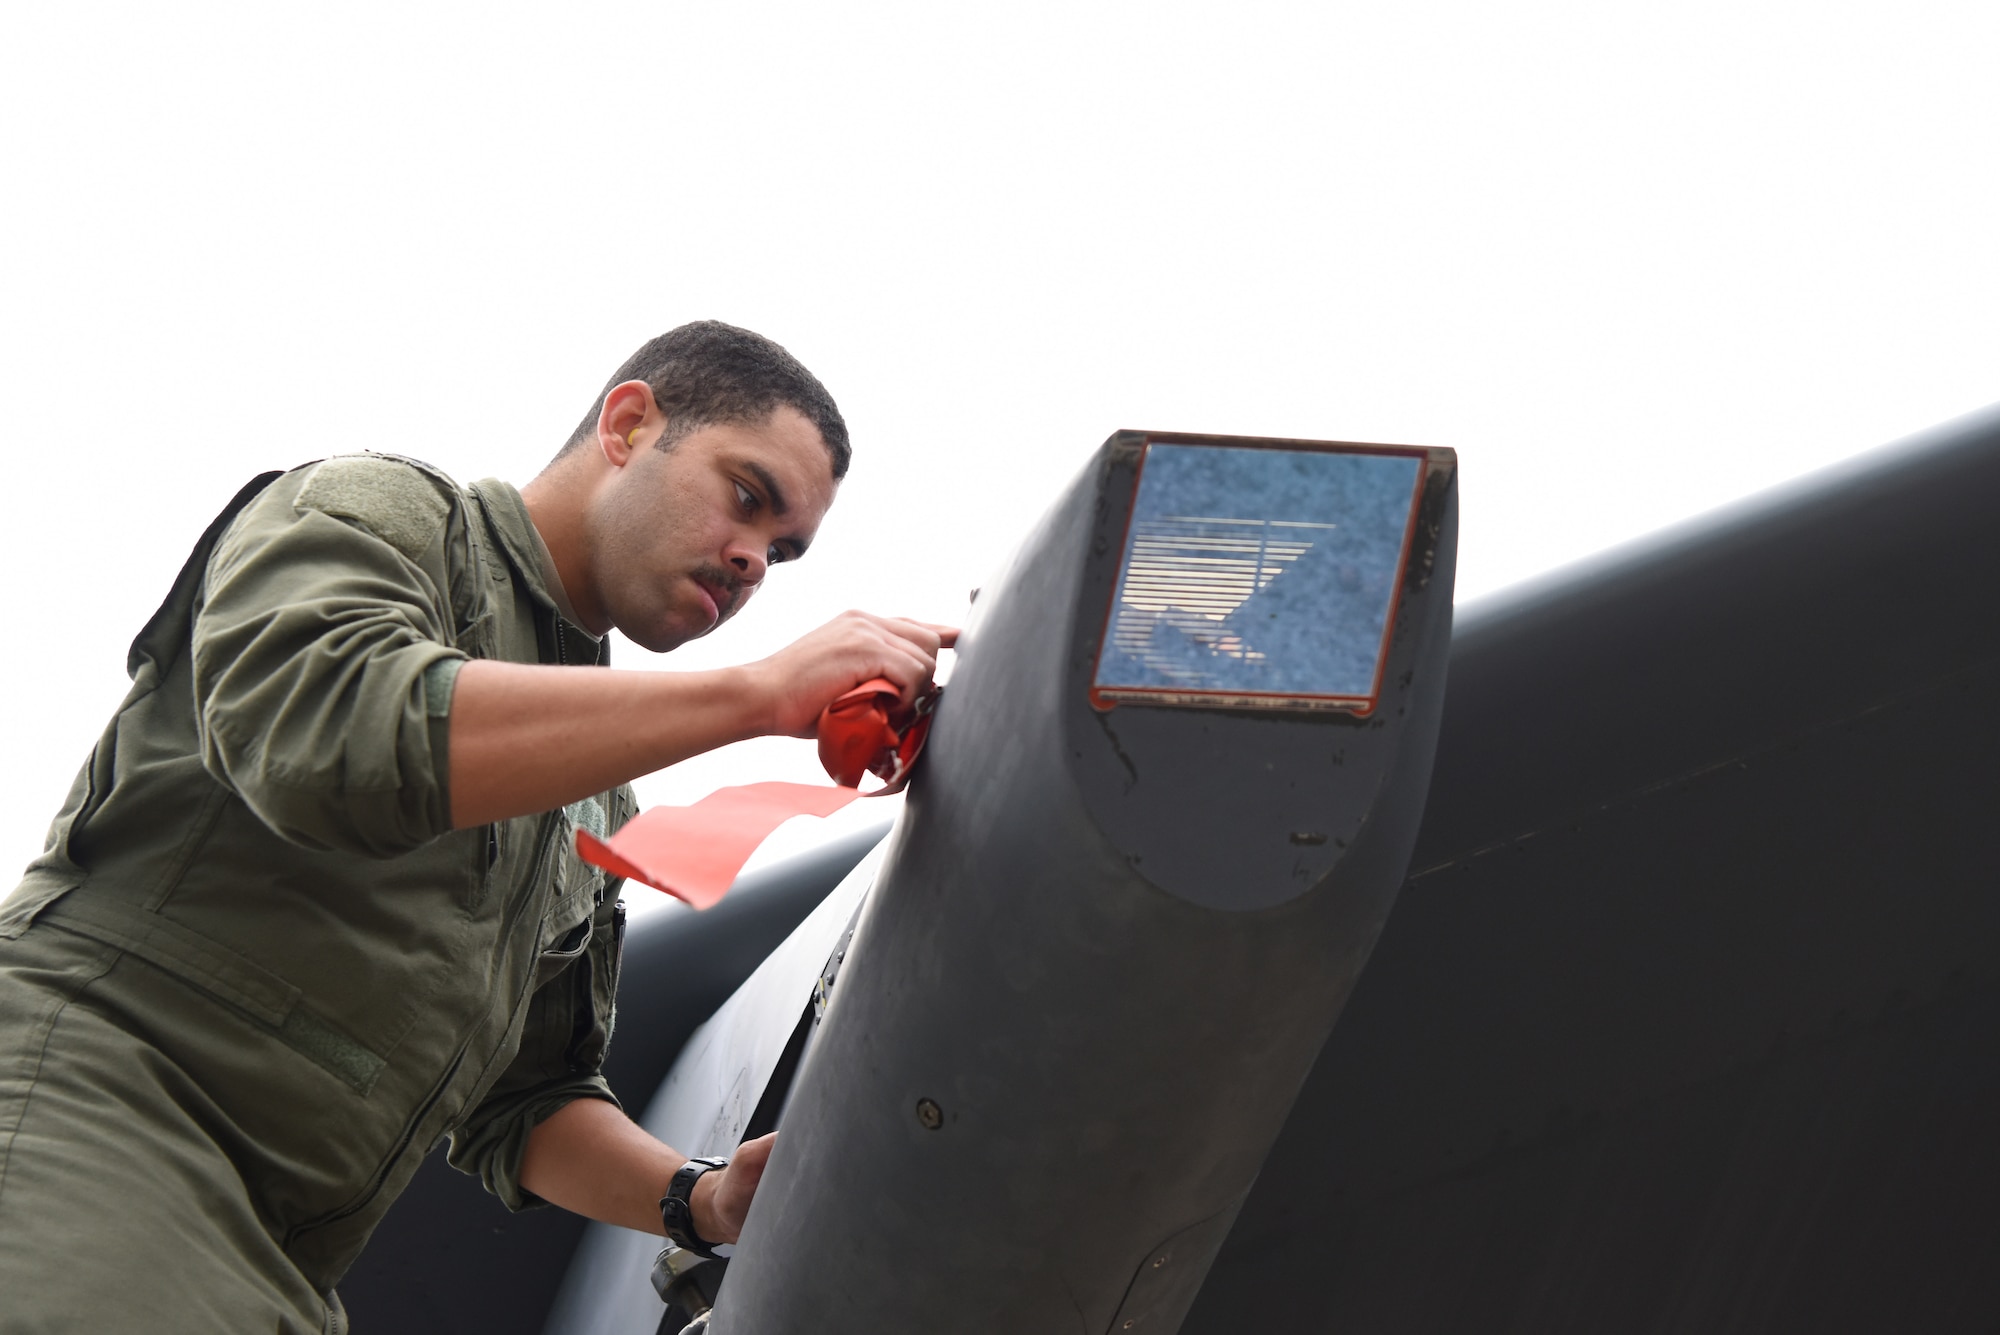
392 500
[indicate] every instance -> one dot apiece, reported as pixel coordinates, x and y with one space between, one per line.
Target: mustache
725 582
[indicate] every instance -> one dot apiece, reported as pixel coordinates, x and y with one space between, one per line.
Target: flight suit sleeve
561 1058
323 657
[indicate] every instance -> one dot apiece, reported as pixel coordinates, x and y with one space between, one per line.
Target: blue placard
1259 572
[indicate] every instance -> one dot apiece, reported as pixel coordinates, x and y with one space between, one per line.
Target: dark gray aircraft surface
1686 1018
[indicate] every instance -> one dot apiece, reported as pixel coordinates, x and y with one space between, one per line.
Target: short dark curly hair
708 372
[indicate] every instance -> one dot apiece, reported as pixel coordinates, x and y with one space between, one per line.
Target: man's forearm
590 1158
526 739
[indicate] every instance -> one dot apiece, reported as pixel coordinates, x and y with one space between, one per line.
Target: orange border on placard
1359 705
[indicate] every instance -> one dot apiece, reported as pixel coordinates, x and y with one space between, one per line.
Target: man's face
680 538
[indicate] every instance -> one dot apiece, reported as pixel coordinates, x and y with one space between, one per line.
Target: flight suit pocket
564 951
228 977
34 894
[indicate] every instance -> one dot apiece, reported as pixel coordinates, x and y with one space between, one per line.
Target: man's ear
628 423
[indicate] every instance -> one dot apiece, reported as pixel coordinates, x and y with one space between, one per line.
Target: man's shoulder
405 502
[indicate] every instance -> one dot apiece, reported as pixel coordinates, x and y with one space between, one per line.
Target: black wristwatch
677 1214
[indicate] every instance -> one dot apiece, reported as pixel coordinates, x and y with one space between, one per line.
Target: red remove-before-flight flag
693 853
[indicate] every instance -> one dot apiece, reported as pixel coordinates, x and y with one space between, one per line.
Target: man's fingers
931 635
848 651
935 636
747 1166
910 672
906 652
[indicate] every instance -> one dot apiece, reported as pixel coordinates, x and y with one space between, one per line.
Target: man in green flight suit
313 904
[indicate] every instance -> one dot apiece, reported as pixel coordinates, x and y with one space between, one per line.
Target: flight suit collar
507 515
552 579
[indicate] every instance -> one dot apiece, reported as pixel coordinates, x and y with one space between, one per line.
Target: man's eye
745 498
774 555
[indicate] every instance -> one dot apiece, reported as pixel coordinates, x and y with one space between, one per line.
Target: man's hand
721 1201
591 1158
801 680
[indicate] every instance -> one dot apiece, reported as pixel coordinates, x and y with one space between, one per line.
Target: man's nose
748 562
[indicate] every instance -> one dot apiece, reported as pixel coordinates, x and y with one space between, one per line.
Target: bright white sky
1631 261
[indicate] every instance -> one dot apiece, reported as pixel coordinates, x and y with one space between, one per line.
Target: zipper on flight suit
583 991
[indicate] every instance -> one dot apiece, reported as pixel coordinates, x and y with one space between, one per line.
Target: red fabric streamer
694 853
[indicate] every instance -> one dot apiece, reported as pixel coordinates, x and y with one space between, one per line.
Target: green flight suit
255 977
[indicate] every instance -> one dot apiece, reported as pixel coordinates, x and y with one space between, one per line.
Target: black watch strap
677 1215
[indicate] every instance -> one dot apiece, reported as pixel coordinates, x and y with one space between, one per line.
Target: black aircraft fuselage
1687 1017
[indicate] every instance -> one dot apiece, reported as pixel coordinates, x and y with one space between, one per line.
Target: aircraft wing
1687 1016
